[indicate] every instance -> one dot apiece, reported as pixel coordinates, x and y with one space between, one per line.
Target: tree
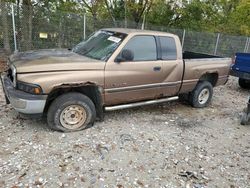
110 5
26 31
93 6
136 8
239 19
116 10
161 13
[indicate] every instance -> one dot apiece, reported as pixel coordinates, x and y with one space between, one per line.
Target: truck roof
138 31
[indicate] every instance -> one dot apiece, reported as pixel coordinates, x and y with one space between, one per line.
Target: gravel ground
167 145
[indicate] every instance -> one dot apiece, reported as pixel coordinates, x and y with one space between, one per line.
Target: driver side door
138 79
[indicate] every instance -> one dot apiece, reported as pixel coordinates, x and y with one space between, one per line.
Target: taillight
233 60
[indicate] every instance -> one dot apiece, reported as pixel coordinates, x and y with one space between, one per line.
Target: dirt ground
168 145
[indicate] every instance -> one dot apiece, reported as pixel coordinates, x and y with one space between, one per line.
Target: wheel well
91 91
210 77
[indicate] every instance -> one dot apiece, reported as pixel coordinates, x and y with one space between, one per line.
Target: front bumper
21 101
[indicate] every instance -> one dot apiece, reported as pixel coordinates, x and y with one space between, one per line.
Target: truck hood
53 60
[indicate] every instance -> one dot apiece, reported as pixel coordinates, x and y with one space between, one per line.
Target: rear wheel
71 112
245 84
202 94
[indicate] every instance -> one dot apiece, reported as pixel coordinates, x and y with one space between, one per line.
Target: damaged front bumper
21 101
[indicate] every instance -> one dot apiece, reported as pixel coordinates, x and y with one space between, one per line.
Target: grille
12 74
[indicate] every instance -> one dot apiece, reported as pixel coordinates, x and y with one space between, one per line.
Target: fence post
247 47
14 26
84 26
143 22
183 38
125 14
216 45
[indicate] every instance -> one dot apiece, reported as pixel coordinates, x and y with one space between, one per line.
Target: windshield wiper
85 51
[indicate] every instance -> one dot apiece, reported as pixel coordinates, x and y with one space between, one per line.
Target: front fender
50 80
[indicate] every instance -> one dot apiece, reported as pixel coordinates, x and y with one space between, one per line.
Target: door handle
157 68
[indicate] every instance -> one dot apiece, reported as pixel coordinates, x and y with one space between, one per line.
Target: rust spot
67 85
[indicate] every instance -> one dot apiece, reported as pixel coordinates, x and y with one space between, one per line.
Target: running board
144 103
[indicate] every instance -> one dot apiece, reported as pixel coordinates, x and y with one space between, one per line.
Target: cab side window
168 48
143 48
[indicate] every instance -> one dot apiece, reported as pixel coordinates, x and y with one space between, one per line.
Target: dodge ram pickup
114 69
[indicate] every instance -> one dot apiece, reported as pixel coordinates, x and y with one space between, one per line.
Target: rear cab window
168 48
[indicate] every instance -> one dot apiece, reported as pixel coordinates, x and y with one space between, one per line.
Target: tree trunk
18 26
92 7
61 33
95 20
30 26
27 10
111 12
5 24
140 7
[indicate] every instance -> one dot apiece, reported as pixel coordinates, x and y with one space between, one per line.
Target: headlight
29 88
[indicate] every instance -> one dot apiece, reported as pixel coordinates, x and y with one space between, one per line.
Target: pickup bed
241 69
113 69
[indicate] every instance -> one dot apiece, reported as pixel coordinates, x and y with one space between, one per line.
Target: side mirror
125 55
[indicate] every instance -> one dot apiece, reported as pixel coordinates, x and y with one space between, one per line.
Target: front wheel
71 112
202 94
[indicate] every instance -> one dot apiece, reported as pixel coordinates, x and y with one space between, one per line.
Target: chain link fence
26 28
6 29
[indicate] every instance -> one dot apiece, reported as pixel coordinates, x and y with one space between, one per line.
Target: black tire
245 84
85 106
202 86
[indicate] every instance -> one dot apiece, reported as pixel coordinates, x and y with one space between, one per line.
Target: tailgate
242 62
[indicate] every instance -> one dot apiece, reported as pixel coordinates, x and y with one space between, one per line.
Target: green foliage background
63 21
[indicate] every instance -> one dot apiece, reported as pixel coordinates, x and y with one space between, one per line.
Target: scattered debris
188 174
126 138
101 150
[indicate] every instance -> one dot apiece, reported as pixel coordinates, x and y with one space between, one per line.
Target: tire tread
195 93
69 98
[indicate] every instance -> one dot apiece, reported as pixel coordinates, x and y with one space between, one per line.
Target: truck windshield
100 45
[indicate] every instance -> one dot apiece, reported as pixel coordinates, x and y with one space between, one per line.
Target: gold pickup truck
114 69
